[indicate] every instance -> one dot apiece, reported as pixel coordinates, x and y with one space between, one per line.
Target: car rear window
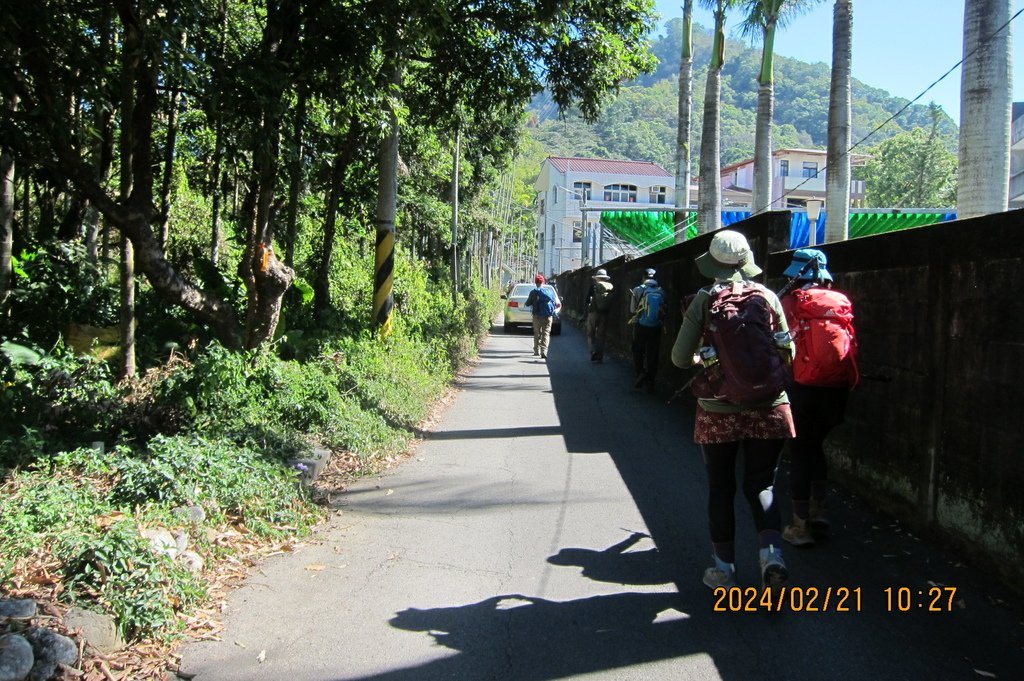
522 290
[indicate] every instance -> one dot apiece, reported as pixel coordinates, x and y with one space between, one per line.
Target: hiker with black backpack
824 371
737 331
543 301
597 303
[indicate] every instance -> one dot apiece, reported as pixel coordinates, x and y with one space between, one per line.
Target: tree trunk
168 172
216 183
710 194
762 198
6 210
342 160
129 65
837 174
295 186
685 106
455 218
266 277
985 105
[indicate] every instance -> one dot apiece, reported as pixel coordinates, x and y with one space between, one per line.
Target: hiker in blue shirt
647 324
544 302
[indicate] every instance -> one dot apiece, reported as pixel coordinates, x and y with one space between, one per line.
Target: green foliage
56 284
86 509
61 396
913 169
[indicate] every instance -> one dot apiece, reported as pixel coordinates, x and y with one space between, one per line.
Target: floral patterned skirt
771 423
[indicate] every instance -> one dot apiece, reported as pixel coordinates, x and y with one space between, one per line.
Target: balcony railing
1017 186
1017 133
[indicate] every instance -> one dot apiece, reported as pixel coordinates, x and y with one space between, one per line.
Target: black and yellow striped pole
387 200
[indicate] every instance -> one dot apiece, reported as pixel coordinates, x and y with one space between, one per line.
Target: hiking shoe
543 355
799 533
593 357
720 574
535 353
773 569
818 521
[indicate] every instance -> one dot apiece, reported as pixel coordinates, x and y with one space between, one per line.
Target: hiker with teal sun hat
741 401
824 371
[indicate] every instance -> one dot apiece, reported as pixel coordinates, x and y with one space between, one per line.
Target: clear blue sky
898 45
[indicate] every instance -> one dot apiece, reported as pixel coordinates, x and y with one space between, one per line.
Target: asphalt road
553 527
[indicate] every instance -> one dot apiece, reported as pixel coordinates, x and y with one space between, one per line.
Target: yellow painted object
102 342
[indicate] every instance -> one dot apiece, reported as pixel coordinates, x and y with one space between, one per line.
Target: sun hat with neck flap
804 267
729 257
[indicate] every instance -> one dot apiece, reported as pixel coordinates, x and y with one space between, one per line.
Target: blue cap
802 266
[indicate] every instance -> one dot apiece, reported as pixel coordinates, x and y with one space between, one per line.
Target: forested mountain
641 123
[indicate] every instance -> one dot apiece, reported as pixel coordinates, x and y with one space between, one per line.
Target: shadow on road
520 637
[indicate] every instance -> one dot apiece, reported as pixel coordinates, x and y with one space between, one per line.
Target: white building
1017 157
566 185
797 175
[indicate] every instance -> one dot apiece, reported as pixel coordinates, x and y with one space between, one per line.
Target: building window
810 169
658 194
577 232
542 206
581 190
552 236
784 168
621 193
554 196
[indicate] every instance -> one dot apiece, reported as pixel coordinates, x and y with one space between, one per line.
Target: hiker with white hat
598 302
742 404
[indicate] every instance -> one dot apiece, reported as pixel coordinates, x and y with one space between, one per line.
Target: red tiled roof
600 165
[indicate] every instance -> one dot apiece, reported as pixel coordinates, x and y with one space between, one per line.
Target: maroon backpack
748 367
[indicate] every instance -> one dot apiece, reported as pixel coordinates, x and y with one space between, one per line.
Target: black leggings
760 460
816 411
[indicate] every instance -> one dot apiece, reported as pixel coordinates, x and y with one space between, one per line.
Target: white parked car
517 314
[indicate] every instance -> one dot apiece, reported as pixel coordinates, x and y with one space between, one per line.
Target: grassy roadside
198 450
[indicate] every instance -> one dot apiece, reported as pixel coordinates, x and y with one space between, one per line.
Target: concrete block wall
935 432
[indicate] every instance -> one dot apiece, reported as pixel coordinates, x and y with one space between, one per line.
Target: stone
309 467
193 561
50 649
195 514
16 657
161 540
18 608
98 629
181 540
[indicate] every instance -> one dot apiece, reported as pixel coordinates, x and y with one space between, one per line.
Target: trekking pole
684 387
812 263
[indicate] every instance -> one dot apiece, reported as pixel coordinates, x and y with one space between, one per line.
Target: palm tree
764 17
837 172
682 199
985 109
709 198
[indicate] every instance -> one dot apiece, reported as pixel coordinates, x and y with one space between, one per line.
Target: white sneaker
773 568
720 574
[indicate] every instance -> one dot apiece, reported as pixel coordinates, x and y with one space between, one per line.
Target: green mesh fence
652 230
866 224
655 230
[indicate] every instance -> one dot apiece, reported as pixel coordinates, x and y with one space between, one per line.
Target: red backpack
740 326
821 321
